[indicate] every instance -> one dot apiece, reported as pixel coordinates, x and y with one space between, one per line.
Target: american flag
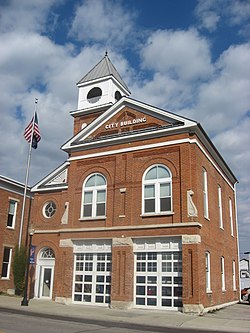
36 134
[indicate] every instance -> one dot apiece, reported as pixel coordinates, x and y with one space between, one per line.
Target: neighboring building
142 213
244 273
11 201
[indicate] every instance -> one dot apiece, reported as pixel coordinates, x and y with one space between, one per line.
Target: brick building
11 201
142 213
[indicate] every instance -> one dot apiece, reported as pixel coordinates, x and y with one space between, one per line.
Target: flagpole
27 176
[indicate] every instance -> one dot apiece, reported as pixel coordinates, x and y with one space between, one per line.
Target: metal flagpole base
25 302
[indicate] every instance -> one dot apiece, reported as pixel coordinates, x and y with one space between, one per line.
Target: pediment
123 121
56 180
128 120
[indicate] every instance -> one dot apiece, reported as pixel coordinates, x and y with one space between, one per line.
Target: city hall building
142 214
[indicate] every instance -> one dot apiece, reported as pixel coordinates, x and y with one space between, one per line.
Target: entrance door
45 273
46 282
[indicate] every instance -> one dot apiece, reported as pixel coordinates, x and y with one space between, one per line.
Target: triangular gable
56 180
126 119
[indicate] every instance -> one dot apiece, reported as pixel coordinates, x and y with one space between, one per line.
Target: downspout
237 235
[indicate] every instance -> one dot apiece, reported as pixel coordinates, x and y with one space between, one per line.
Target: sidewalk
235 318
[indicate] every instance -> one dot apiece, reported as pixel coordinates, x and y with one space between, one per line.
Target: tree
19 266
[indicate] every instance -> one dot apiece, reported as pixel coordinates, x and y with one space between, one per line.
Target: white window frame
94 190
157 183
7 262
205 193
220 207
13 222
223 280
234 275
208 272
231 217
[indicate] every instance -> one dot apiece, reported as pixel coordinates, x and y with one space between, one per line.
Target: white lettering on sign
126 123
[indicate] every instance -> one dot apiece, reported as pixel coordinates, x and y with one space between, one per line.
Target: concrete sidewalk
234 318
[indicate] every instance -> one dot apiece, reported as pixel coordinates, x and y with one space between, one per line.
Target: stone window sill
96 218
156 214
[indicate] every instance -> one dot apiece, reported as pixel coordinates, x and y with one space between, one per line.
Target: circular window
118 95
49 209
94 95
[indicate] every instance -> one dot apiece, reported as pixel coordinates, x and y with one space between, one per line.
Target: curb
105 323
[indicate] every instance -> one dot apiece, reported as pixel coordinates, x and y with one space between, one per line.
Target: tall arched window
94 196
157 190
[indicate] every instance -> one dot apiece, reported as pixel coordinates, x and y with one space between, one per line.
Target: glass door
46 282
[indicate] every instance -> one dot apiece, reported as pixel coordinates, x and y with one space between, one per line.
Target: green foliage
19 266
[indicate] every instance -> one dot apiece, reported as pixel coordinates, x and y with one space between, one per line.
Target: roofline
50 175
216 152
107 60
191 126
126 101
13 182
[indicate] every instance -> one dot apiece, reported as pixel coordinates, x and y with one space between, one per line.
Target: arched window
157 190
94 196
47 253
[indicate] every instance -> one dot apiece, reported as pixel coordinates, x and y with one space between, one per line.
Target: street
18 323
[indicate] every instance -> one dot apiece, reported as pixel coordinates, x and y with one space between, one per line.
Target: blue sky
189 57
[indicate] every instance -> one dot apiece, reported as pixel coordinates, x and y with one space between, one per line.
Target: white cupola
101 87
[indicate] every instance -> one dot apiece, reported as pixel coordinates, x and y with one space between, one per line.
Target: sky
190 57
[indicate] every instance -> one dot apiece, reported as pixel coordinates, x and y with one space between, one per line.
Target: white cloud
221 104
210 13
163 91
180 54
183 78
33 66
225 99
234 143
207 15
104 21
26 15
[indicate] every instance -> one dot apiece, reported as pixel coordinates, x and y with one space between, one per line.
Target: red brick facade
121 142
11 190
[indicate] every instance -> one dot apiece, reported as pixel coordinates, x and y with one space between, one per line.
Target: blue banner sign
32 254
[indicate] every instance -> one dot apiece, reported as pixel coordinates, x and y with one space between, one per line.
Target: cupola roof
102 69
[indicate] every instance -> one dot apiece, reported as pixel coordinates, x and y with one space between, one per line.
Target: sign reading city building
124 123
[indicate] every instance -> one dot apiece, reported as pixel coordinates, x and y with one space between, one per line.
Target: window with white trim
12 214
94 196
205 192
208 272
231 216
157 190
220 208
234 275
223 284
49 209
7 254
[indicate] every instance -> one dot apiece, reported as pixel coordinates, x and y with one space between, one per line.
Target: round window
94 95
118 95
49 209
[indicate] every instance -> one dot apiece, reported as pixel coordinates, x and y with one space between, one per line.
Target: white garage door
158 273
92 273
